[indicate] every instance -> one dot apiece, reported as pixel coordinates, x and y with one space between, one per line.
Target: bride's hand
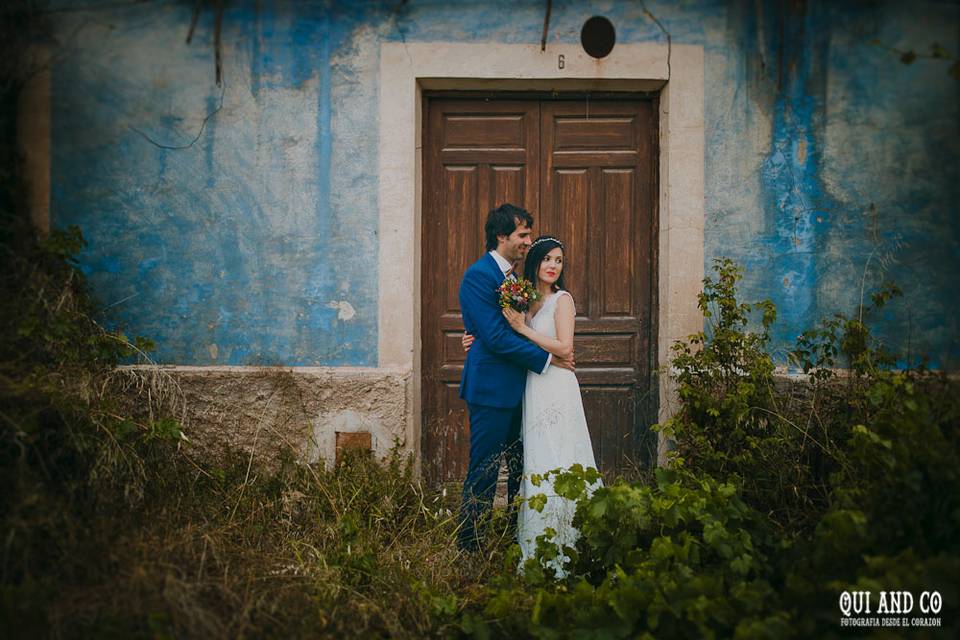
515 318
466 341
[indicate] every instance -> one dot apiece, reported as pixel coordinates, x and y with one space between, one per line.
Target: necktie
510 274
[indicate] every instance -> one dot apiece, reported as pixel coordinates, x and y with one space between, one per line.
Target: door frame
409 69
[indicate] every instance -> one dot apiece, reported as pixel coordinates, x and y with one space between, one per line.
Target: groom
495 372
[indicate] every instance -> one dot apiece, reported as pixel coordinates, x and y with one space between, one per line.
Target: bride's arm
562 345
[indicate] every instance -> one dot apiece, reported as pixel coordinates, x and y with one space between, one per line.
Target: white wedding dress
554 436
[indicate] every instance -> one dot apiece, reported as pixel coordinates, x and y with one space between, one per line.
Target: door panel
617 294
566 215
586 172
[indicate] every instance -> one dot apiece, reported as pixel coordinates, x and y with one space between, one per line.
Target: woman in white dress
554 431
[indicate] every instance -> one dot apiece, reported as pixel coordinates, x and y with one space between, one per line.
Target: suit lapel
494 268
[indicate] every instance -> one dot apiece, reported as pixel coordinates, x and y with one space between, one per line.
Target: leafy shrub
732 421
685 557
894 510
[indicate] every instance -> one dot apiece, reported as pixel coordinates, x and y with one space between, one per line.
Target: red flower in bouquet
517 294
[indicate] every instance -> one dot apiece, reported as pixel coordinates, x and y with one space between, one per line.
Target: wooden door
587 175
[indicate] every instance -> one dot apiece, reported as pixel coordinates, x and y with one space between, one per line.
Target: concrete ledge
268 410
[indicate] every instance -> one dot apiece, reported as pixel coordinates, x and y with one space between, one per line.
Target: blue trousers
494 432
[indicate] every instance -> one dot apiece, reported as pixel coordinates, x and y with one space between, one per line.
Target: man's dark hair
502 221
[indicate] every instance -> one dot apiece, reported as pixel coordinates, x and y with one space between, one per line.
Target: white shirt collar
501 262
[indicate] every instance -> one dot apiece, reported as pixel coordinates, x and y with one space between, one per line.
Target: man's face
514 247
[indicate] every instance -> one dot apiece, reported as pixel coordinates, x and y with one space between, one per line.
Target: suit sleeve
491 327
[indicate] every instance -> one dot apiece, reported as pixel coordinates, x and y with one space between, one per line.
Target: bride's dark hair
538 250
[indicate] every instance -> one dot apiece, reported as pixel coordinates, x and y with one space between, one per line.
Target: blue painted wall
830 165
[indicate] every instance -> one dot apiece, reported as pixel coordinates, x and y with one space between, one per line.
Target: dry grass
361 550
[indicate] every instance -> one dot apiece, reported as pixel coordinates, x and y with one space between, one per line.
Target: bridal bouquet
518 294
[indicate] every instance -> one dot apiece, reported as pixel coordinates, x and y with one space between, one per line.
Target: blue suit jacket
495 373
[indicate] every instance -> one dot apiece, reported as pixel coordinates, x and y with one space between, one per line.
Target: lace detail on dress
545 319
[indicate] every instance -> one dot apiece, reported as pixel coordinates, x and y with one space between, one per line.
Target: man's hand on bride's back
466 341
564 363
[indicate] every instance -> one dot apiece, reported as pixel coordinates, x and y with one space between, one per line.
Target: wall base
269 410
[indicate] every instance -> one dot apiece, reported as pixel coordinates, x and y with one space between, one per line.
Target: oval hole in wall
598 37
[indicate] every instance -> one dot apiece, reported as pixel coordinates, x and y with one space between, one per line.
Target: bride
554 431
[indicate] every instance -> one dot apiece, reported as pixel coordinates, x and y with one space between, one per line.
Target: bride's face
552 266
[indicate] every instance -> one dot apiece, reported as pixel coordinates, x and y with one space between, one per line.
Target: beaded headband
546 239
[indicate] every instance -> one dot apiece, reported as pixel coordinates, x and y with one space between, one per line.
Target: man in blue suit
495 373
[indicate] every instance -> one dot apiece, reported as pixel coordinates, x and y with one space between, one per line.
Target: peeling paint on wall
345 310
